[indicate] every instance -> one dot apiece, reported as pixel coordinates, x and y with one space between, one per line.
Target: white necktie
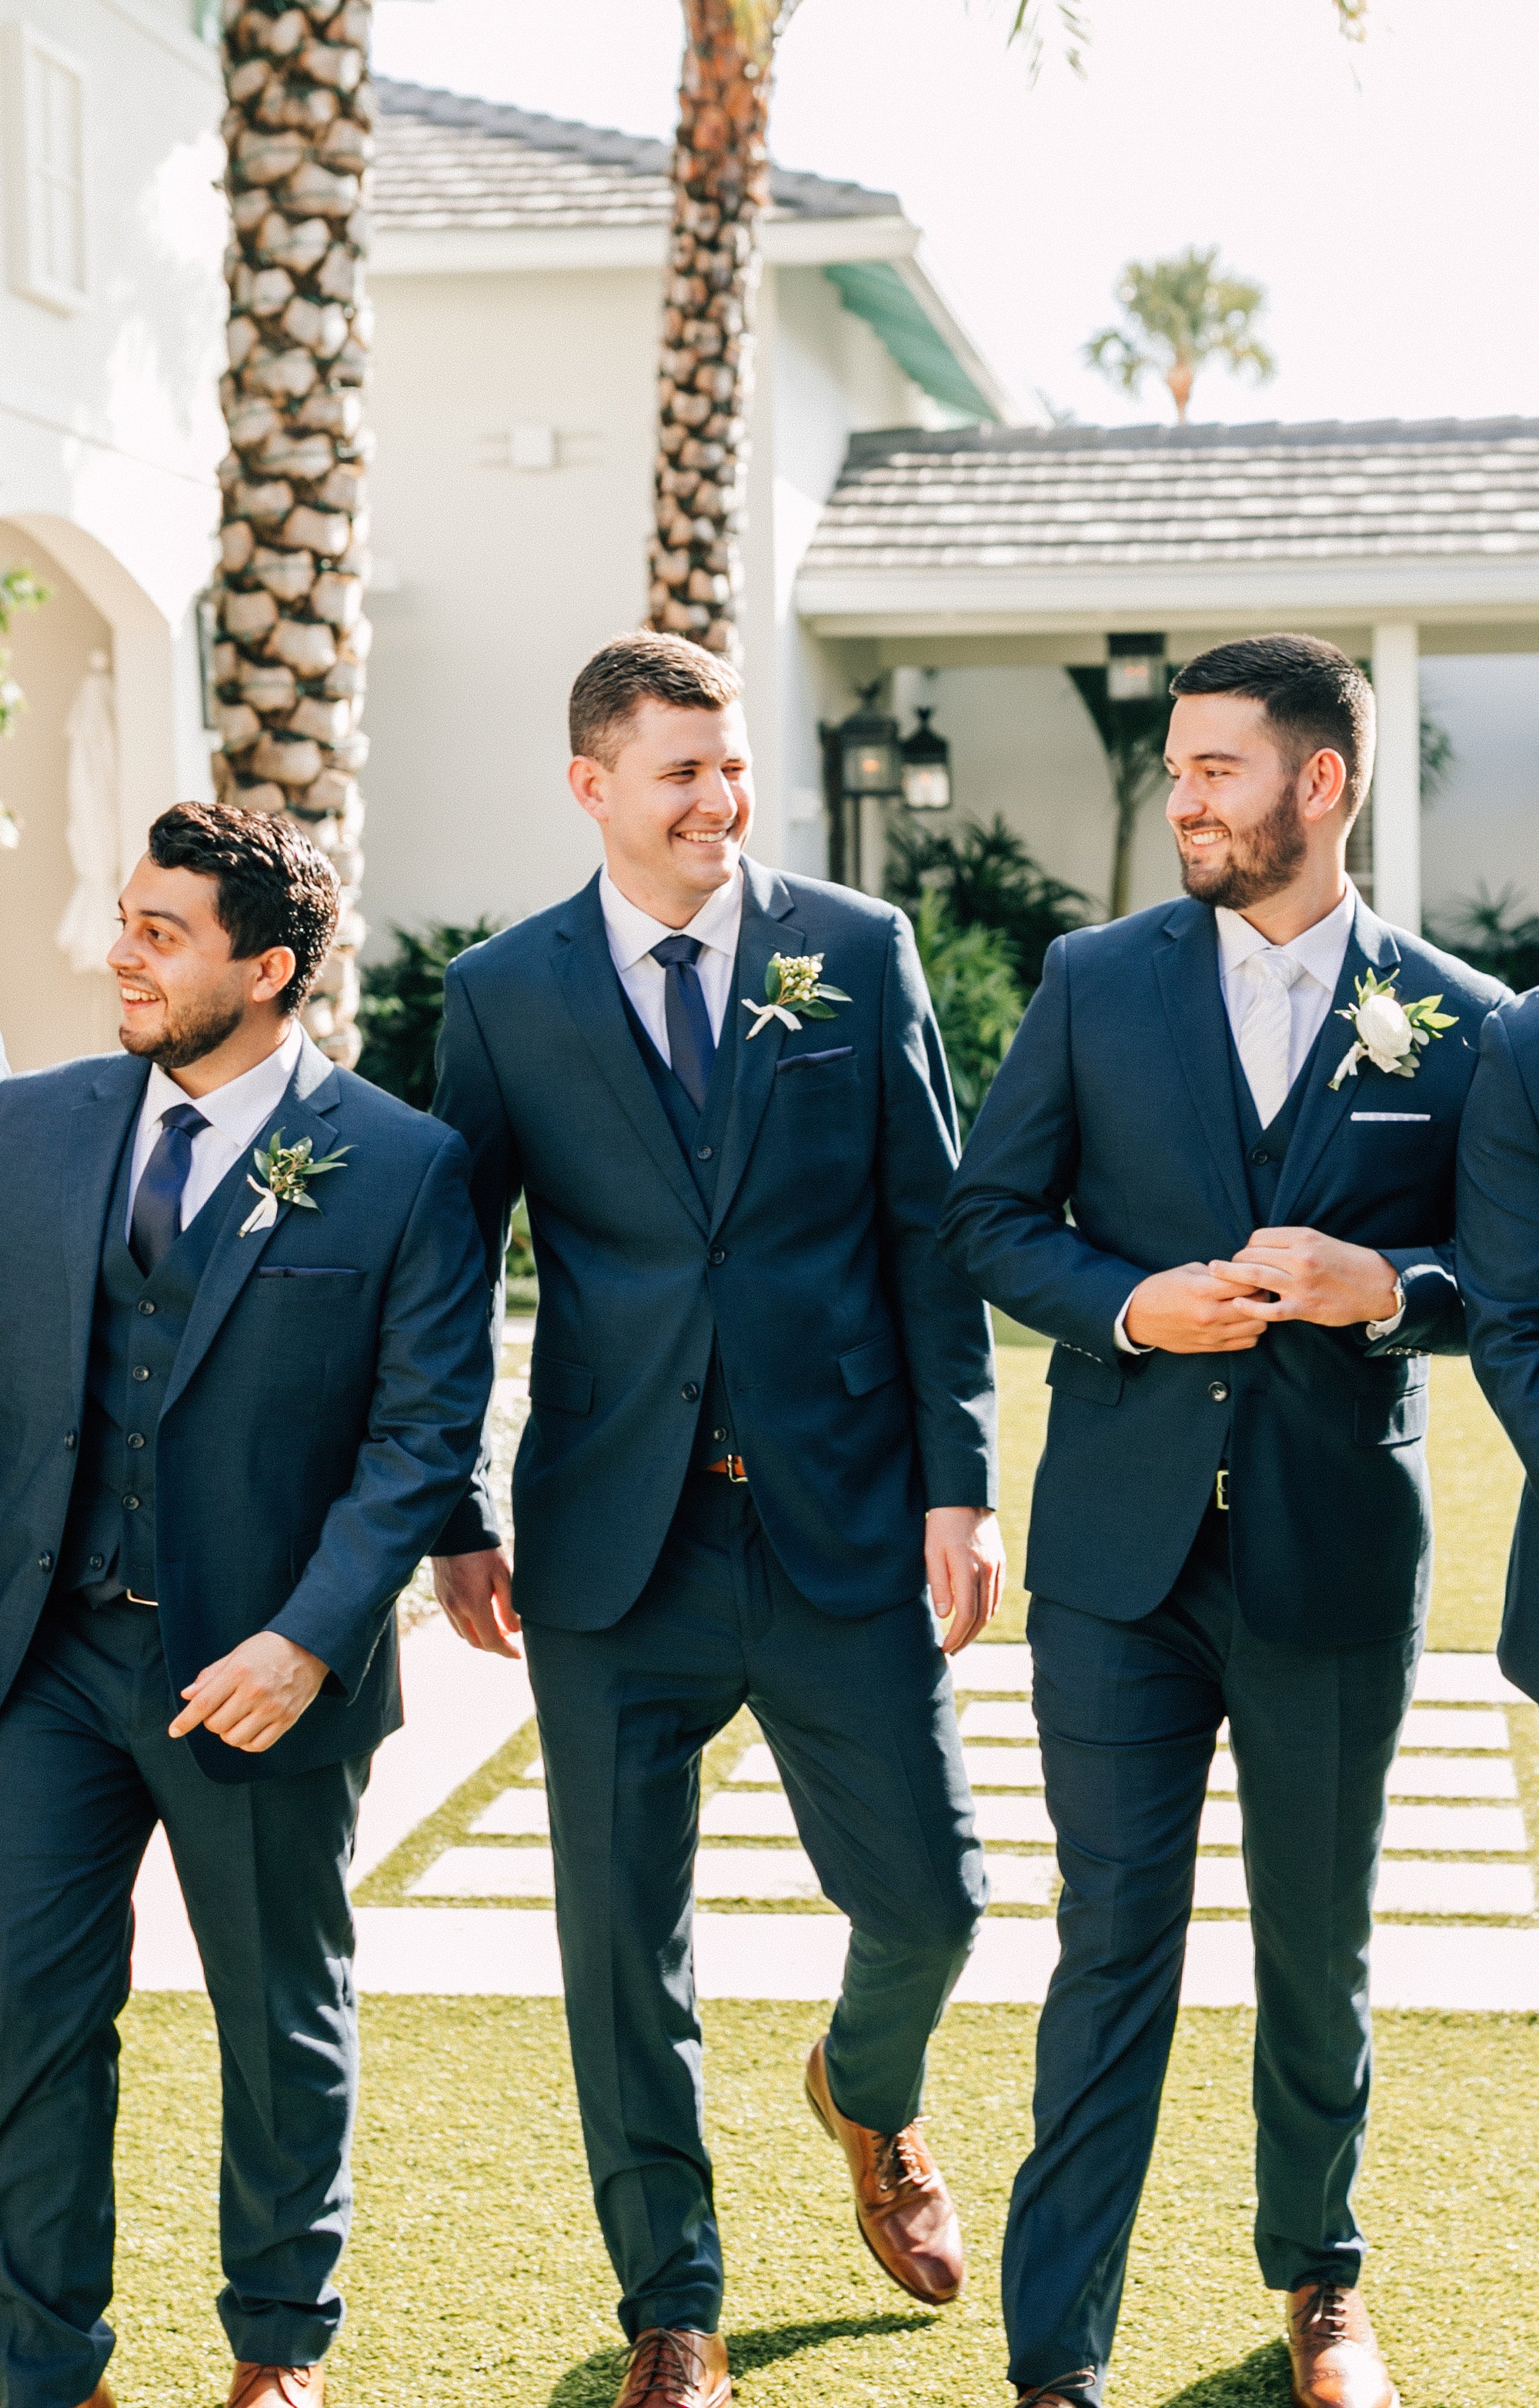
1266 1031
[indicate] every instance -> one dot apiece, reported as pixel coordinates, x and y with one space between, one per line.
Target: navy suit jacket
314 1429
1110 1147
1499 1272
858 1366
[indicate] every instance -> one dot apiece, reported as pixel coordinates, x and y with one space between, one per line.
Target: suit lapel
766 930
592 990
313 1092
1321 1114
99 1130
1187 968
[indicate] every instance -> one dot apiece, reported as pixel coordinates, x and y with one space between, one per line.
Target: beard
187 1035
1260 863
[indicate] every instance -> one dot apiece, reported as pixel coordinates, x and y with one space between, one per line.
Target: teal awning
875 291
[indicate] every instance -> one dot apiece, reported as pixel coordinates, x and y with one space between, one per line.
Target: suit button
130 1504
135 1437
145 1304
45 1563
141 1370
95 1563
1259 1154
703 1152
716 1256
1219 1391
71 1441
721 1436
690 1392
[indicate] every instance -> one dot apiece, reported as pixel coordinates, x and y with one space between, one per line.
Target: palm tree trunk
1127 794
721 180
1180 379
292 638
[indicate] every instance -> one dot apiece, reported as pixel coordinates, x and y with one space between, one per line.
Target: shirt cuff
1378 1329
1120 1339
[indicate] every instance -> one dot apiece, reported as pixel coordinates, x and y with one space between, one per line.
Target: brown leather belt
730 1468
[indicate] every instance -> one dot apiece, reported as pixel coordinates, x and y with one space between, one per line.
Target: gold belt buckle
153 1601
735 1472
1221 1488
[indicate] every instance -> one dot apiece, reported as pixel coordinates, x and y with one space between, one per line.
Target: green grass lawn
476 2274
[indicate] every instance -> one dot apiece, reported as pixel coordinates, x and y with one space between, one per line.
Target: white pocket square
1391 1116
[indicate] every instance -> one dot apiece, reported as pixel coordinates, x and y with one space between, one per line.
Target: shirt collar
1319 952
632 932
238 1108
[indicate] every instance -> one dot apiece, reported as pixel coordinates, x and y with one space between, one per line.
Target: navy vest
1266 1149
699 1135
137 1326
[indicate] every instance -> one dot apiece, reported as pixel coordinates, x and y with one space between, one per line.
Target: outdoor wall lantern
1135 669
926 766
870 759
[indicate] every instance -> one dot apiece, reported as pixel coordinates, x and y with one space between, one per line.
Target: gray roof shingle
444 163
1089 497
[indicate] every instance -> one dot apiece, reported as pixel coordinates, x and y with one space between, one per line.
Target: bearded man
1218 1168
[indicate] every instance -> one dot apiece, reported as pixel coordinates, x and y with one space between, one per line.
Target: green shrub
987 879
401 1007
977 998
1494 933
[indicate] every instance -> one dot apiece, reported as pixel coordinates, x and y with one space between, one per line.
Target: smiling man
760 1444
232 1425
1218 1168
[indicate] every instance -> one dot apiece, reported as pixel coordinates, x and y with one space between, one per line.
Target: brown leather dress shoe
901 2204
675 2370
100 2398
275 2386
1336 2361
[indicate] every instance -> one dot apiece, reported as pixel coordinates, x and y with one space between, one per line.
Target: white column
1396 802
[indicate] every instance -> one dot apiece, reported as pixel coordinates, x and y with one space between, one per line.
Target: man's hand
253 1695
1312 1277
1192 1310
476 1592
964 1558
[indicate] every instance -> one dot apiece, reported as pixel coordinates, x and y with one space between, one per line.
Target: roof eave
463 250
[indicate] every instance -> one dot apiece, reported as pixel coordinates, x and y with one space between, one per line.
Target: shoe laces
662 2364
1065 2387
1325 2313
900 2158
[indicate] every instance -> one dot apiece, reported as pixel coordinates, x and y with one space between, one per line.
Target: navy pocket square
805 1061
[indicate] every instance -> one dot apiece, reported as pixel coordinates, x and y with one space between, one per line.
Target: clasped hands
1223 1308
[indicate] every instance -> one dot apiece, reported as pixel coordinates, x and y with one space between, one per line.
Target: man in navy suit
1218 1168
760 1443
230 1425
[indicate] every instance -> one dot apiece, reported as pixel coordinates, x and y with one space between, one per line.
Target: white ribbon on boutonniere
1387 1032
793 993
286 1170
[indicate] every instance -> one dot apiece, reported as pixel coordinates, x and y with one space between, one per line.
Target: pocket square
1391 1116
805 1061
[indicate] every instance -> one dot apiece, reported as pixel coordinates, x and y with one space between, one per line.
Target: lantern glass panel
927 786
871 768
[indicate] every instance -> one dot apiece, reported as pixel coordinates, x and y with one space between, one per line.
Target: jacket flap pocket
1078 1374
871 1365
810 1061
1391 1421
563 1387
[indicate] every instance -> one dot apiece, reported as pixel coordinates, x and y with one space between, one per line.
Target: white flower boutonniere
286 1172
1389 1032
794 992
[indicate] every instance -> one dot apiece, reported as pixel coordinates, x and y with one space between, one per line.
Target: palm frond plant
400 1008
1495 933
1132 736
986 879
977 997
1178 314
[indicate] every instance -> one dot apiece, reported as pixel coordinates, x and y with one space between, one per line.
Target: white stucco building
111 316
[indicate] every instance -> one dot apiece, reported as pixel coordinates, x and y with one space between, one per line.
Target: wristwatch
1378 1329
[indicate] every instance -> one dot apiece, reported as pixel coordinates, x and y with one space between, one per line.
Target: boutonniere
794 992
1387 1032
286 1172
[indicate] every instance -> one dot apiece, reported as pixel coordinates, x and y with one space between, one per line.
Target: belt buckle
153 1601
1221 1488
735 1472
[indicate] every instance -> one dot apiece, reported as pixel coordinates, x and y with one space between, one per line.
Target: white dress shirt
632 934
1317 955
236 1113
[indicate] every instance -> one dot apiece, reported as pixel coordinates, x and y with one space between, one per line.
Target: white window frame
45 193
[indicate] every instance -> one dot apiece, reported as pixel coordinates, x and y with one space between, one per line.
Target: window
45 107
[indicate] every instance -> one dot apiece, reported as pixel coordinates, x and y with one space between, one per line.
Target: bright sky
1386 196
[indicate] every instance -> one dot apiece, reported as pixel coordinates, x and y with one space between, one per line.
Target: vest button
71 1441
1219 1391
130 1504
45 1563
690 1392
135 1437
716 1256
703 1152
721 1436
1259 1154
141 1370
145 1304
95 1563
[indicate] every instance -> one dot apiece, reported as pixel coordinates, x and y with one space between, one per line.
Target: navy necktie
691 1048
157 1207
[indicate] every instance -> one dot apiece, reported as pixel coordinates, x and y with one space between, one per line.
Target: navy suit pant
858 1714
86 1772
1128 1713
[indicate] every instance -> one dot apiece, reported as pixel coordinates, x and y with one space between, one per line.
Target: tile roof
445 162
1091 496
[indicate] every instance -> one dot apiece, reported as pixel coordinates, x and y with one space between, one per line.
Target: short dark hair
1315 697
275 887
630 670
